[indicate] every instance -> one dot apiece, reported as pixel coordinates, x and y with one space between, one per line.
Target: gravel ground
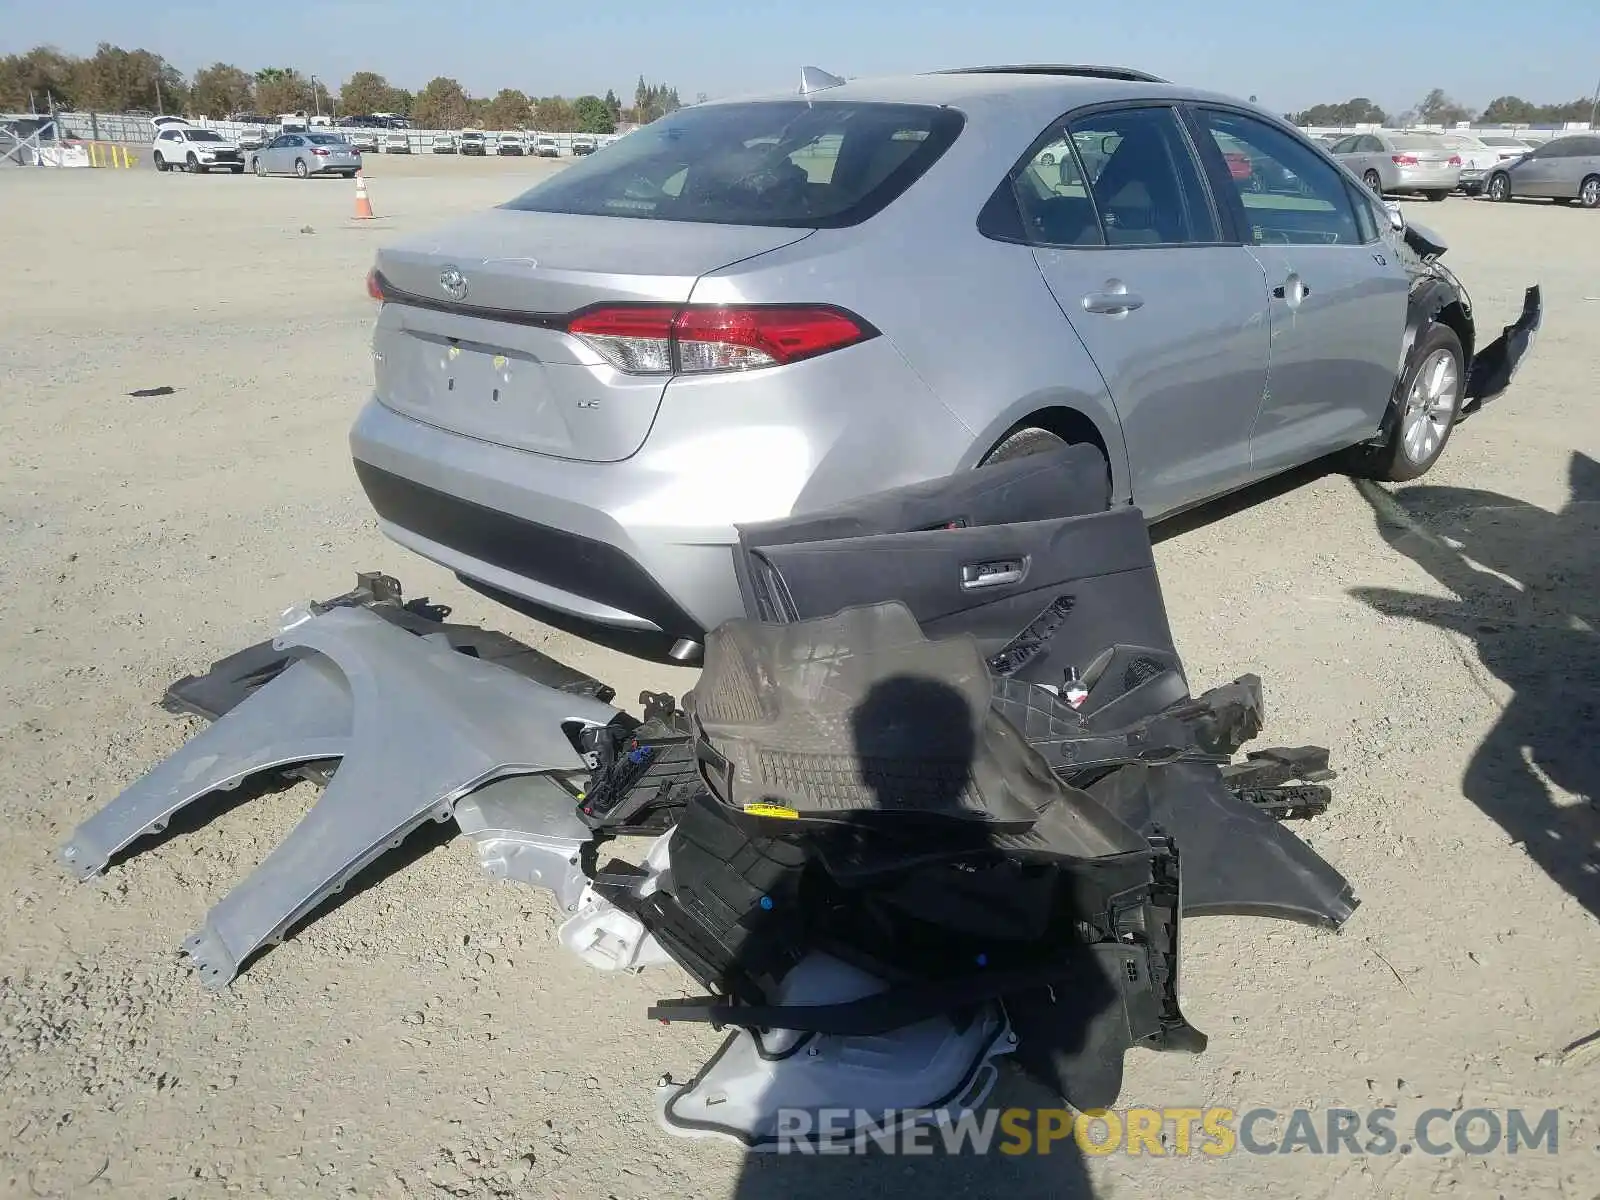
429 1038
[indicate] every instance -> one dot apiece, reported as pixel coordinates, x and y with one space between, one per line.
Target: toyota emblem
453 283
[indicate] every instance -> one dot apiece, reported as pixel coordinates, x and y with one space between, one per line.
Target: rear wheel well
1068 424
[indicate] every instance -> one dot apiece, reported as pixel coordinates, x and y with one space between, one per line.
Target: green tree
508 110
117 80
553 114
443 104
651 101
1357 111
37 79
593 115
365 92
221 89
1436 108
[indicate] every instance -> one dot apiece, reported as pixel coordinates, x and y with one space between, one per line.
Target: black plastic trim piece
594 570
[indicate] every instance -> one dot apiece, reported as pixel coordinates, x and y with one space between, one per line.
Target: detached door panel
1053 594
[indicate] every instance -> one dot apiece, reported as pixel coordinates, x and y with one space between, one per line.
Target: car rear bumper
1424 180
645 543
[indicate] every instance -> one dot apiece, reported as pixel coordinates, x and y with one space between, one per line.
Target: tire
1589 192
192 165
1437 195
1429 405
300 169
1498 188
1019 443
161 163
239 170
1374 181
259 167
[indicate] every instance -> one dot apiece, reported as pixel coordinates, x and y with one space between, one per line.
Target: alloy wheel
1430 406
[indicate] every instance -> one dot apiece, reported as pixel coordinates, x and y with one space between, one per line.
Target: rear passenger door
1173 311
1338 293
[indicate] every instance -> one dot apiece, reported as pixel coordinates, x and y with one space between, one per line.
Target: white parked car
547 147
397 141
197 151
444 143
510 143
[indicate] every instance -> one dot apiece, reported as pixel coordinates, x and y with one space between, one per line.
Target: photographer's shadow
1526 585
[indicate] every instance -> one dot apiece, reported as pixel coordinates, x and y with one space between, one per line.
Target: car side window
1369 145
1139 170
1292 196
1053 199
1345 145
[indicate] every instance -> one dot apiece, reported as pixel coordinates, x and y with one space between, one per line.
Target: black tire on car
1030 439
1499 188
300 168
161 163
192 165
1374 181
260 168
1589 192
1436 195
1412 449
239 170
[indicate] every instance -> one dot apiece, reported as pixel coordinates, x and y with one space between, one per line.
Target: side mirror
1397 219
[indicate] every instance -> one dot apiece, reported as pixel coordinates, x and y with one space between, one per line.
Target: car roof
965 86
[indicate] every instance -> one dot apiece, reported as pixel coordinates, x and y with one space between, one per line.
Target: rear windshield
775 163
1416 141
324 139
1501 141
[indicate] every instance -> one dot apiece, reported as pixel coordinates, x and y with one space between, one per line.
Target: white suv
198 151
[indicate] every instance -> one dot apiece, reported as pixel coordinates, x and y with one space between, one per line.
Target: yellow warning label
772 810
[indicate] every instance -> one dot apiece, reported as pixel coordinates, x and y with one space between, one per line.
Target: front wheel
1499 188
1589 192
237 170
260 168
1430 392
192 165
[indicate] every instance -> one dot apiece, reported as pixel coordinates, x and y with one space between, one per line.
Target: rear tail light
1406 160
1455 160
374 285
649 339
321 151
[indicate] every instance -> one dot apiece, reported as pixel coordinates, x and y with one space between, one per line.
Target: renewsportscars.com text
1173 1132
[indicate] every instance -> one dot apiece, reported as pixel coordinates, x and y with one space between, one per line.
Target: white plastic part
765 1090
609 939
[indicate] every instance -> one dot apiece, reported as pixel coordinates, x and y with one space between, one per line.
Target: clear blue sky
1289 54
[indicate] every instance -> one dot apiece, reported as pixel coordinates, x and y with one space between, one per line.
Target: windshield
1460 141
1504 141
203 135
776 163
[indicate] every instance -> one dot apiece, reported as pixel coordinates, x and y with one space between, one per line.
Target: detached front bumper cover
1494 365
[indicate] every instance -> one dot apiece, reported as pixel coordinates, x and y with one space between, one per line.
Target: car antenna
815 79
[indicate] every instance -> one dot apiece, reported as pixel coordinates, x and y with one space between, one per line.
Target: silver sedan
1415 163
305 155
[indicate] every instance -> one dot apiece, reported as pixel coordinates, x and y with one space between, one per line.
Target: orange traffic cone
363 205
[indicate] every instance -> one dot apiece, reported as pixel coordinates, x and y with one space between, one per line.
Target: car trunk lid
472 338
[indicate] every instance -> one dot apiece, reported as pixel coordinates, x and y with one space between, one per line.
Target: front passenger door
1338 296
1173 313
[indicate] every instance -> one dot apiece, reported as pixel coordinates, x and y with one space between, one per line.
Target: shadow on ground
1525 586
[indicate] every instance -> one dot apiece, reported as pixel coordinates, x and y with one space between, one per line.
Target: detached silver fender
416 725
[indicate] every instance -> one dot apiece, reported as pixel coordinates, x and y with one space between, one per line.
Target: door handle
992 574
1301 291
1114 303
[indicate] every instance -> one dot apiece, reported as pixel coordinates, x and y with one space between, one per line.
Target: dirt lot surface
429 1037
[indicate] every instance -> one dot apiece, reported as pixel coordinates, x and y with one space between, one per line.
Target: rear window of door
1125 177
1291 195
780 163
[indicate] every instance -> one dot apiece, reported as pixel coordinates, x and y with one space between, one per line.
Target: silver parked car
307 154
1563 169
753 309
1402 163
